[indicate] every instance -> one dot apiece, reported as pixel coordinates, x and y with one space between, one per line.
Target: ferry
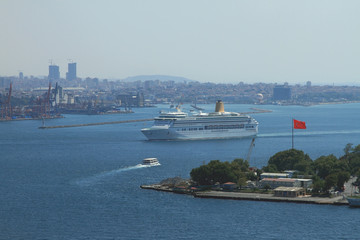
216 125
151 162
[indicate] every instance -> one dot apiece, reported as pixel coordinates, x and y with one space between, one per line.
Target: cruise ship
216 125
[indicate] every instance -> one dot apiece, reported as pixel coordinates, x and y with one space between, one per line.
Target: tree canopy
327 171
221 172
290 160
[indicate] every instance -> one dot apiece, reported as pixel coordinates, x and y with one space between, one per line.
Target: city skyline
205 41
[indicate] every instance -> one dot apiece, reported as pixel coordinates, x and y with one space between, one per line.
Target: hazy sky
204 40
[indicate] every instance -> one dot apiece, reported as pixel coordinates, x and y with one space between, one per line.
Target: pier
339 200
271 198
95 124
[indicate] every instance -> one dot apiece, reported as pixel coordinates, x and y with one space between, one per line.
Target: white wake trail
307 133
101 176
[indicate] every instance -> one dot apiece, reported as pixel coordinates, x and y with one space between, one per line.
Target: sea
84 182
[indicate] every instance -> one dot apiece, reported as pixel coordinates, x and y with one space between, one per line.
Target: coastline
338 201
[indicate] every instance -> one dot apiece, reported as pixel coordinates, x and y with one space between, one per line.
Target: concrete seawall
253 196
270 198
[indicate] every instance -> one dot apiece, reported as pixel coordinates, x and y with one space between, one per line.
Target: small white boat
150 162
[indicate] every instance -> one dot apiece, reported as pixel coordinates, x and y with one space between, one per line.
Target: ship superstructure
215 125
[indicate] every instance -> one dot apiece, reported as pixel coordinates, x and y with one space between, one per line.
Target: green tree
290 160
352 158
242 180
330 181
267 187
348 148
201 175
243 164
324 165
318 184
342 177
270 168
221 172
251 176
356 149
354 163
239 166
214 171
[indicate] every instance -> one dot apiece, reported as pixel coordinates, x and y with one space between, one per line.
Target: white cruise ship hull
219 124
172 134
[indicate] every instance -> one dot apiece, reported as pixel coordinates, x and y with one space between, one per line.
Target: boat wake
315 133
98 178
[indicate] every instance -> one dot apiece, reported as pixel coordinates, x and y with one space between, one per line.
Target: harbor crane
252 144
47 103
6 110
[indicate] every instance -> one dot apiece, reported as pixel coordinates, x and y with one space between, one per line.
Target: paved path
269 197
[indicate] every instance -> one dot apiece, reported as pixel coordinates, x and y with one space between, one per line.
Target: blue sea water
83 183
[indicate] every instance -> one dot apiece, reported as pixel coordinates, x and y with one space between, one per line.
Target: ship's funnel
219 106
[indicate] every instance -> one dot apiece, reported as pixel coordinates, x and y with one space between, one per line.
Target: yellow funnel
219 106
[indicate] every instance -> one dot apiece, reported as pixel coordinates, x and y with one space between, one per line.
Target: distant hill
157 77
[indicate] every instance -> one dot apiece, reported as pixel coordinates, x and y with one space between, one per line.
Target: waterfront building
274 175
289 191
277 182
131 100
54 73
286 182
71 74
282 92
305 183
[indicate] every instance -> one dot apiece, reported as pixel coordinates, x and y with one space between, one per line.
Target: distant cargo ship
219 124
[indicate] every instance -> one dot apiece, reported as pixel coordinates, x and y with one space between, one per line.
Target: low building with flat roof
277 182
274 175
305 183
286 182
289 191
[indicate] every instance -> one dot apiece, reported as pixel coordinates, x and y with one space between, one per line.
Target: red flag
299 124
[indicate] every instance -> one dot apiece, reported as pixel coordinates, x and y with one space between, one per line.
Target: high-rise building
71 74
282 93
54 73
308 84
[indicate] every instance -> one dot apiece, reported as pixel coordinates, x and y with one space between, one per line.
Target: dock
338 201
95 124
271 198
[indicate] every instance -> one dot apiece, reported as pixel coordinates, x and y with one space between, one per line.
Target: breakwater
258 110
95 124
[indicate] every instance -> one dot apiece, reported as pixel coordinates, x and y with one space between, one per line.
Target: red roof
229 183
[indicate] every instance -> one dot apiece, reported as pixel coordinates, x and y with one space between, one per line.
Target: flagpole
292 135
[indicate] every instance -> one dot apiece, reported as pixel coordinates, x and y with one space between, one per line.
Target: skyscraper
282 93
54 73
71 74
